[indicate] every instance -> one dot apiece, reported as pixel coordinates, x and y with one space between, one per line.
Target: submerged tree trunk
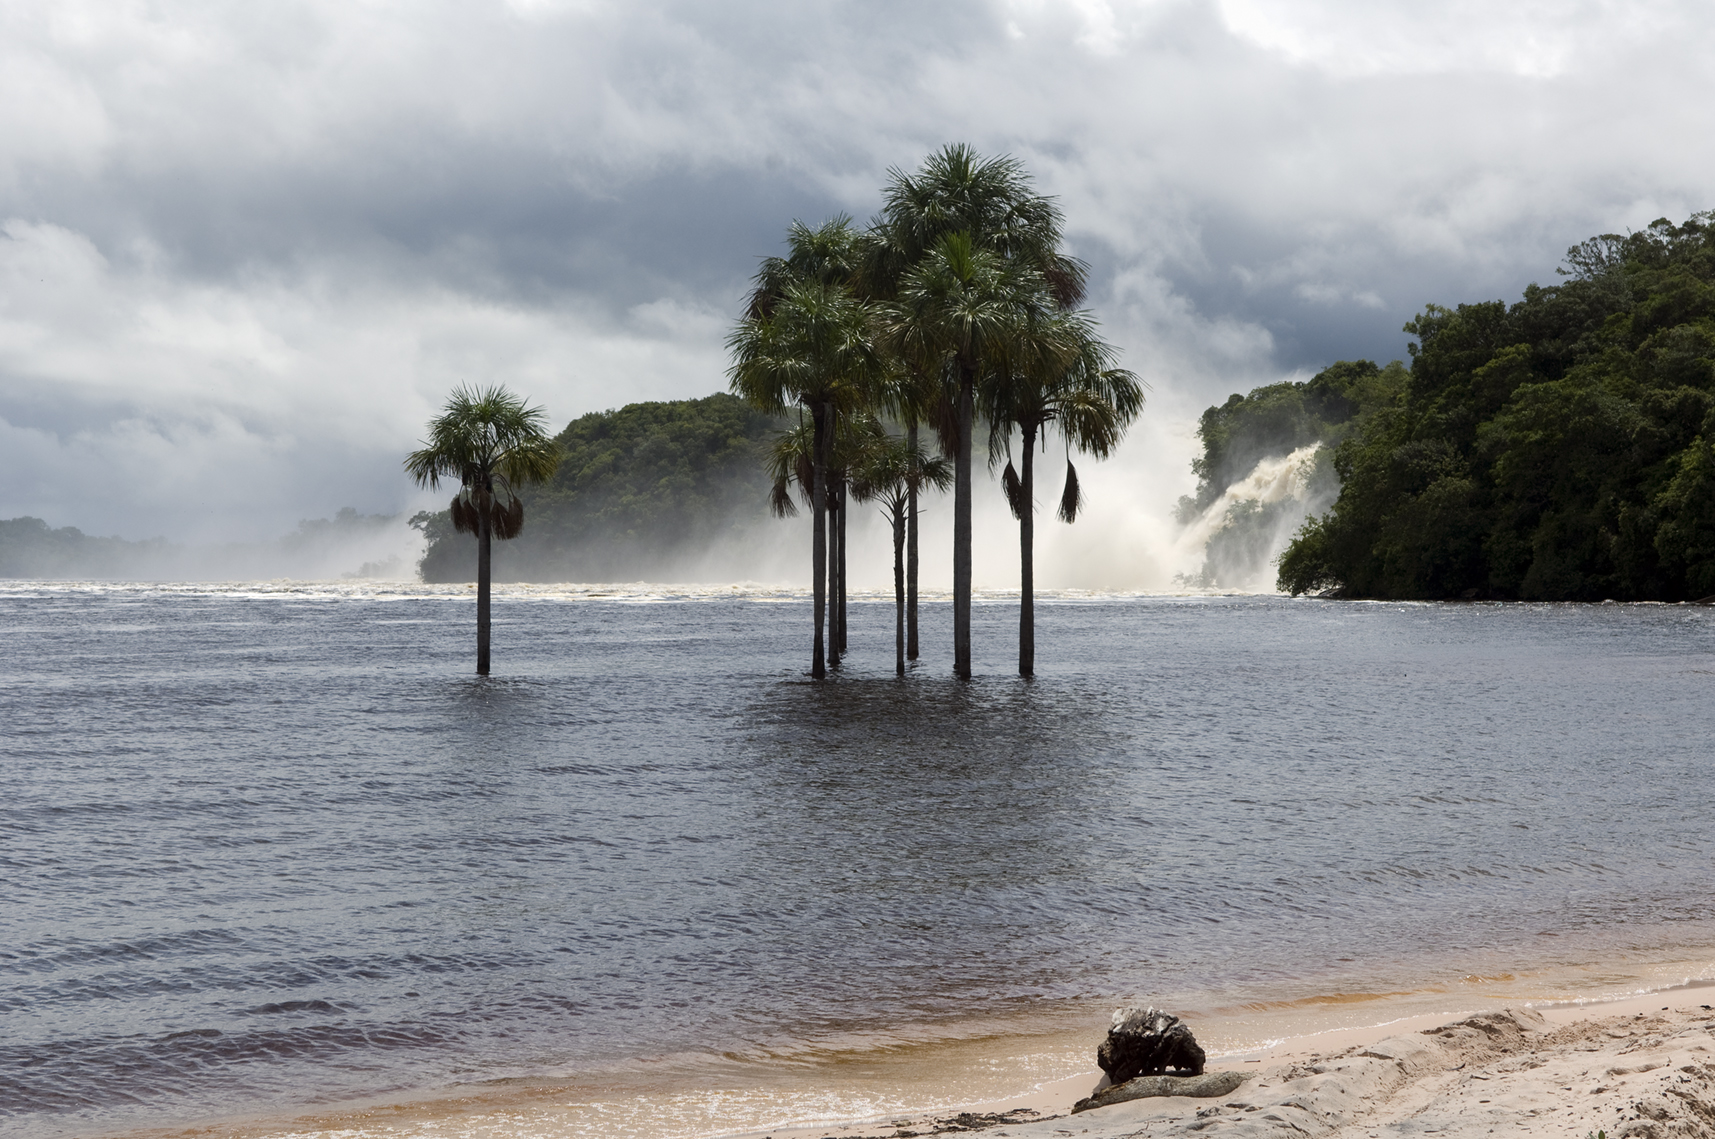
819 537
832 570
842 570
911 549
832 528
962 528
898 588
484 570
1027 560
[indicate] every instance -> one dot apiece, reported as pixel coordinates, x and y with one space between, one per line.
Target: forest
1561 448
637 488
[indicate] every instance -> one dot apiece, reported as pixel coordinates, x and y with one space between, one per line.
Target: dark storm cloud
248 248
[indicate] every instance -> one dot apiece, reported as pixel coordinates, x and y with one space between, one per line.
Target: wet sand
1640 1068
1339 1065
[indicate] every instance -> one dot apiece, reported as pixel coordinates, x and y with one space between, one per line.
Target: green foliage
889 468
633 488
1280 418
1556 449
483 434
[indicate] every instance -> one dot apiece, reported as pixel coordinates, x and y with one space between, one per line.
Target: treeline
648 486
349 544
1561 448
30 548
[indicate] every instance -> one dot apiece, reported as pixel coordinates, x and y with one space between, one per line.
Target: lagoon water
271 847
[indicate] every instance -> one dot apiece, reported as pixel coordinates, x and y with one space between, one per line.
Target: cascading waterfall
1234 543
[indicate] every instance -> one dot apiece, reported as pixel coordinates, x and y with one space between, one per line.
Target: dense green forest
1561 448
648 486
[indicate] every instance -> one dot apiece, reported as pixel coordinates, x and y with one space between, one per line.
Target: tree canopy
635 487
1560 448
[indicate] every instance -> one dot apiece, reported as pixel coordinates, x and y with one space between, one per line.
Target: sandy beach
1641 1068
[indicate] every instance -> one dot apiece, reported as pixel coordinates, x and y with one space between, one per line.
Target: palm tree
1074 384
807 340
790 461
891 473
960 313
494 444
988 206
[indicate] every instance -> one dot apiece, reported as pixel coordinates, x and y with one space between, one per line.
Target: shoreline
1036 1077
1631 1066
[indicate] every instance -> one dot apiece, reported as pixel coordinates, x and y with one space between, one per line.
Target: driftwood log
1201 1087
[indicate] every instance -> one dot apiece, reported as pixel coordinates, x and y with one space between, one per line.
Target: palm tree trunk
830 566
833 528
843 503
484 571
1027 561
898 588
911 551
819 538
962 528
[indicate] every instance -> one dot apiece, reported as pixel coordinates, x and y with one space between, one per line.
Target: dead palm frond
1071 499
1014 489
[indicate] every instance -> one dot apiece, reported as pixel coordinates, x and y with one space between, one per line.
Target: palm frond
1071 499
934 471
1014 490
780 502
464 519
482 432
506 521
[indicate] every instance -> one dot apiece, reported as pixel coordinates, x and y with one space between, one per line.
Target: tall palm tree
960 313
1070 382
891 473
493 443
990 205
806 340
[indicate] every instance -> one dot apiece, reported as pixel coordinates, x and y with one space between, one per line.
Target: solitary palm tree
891 473
1072 384
493 443
807 340
987 205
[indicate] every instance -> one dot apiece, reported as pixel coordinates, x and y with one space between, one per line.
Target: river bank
1391 1064
1636 1069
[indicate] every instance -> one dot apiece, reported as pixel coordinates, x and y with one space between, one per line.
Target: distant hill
349 544
1561 448
640 493
30 548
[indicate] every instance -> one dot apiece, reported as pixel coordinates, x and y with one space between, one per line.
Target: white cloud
1538 39
248 248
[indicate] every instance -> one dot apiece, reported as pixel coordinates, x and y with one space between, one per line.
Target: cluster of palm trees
955 304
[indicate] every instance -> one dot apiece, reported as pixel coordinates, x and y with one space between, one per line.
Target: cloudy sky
246 249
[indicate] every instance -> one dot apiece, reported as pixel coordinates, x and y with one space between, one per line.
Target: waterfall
1234 543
